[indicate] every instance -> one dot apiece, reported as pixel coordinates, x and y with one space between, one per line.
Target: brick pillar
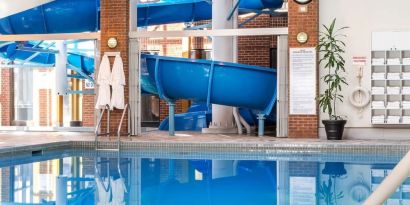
304 126
7 96
46 108
115 23
87 109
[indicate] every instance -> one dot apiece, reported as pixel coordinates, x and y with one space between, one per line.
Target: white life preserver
363 101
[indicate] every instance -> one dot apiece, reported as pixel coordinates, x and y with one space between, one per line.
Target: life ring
365 97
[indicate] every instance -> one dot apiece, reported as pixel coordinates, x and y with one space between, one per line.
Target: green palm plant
332 48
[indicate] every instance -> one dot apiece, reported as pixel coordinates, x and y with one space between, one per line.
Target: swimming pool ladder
126 109
390 184
97 128
97 134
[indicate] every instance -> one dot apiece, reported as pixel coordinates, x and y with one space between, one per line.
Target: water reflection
148 181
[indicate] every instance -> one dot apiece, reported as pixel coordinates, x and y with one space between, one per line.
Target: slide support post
261 125
171 117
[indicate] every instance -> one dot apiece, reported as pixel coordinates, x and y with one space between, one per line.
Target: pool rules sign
302 81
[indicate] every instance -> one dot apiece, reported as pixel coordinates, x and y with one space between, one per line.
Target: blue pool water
86 177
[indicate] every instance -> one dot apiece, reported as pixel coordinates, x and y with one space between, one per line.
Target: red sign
359 60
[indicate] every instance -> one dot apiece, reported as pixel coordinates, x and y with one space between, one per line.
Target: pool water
91 178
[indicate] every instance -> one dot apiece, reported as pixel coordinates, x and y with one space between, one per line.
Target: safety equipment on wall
360 97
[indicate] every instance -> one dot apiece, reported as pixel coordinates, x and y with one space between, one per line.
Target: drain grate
37 152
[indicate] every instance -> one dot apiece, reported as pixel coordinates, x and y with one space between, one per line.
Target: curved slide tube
195 10
8 51
199 116
73 16
210 82
251 185
59 16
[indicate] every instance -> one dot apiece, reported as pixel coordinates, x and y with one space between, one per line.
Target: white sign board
302 190
302 81
88 84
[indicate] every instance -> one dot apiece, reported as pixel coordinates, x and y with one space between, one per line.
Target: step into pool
219 178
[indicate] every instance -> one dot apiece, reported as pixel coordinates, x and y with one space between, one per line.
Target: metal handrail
127 108
106 107
390 184
98 177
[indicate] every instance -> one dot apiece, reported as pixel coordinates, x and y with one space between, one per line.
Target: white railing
390 184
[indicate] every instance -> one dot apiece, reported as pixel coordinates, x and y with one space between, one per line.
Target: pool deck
21 140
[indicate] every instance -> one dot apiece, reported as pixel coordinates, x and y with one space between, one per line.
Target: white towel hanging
117 81
103 82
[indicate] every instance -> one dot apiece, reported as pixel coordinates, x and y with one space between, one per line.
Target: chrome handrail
106 107
126 108
98 177
390 184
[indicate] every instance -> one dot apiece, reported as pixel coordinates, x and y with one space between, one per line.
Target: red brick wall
255 50
303 126
115 23
7 96
164 111
88 109
45 109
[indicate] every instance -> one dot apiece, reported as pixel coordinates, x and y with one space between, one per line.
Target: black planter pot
334 169
334 129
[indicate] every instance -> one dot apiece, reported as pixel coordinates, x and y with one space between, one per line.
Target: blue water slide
10 51
59 16
254 184
211 82
169 11
72 16
198 116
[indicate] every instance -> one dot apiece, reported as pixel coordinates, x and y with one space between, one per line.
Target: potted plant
327 190
331 49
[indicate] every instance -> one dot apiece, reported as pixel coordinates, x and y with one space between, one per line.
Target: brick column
46 108
115 23
7 96
304 126
87 109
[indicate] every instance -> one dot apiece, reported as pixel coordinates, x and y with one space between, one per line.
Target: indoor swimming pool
179 178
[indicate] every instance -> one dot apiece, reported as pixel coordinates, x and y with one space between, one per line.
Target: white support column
282 178
61 68
134 74
283 84
223 50
135 185
134 87
61 190
97 57
222 168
